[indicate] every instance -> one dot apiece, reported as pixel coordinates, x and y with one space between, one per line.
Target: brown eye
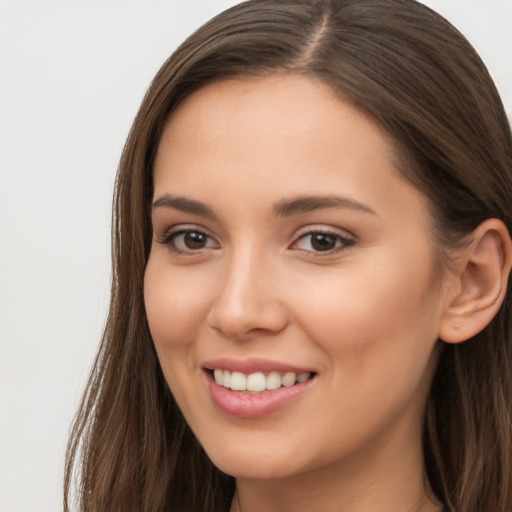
189 241
195 240
322 242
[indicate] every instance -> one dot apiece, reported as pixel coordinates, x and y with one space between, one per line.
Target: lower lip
248 405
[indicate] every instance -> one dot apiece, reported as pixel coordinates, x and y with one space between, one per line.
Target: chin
247 463
254 469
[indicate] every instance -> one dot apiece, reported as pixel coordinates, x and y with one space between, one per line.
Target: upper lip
253 365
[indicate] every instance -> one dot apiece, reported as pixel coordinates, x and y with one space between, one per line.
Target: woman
311 257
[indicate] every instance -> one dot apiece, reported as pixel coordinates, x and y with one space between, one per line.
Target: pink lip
252 365
246 405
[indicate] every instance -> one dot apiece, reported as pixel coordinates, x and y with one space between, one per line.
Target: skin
365 316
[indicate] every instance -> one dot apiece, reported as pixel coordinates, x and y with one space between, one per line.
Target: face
291 263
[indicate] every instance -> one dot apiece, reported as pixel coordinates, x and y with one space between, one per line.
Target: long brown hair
419 78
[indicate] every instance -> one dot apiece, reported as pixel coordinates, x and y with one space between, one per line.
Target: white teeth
257 382
226 380
303 377
218 375
288 379
273 381
238 381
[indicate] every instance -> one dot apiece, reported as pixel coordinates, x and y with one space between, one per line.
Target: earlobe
481 275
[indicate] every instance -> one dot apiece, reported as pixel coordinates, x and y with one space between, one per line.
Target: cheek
383 313
379 341
175 312
176 305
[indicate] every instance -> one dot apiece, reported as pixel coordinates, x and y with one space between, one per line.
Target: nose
247 301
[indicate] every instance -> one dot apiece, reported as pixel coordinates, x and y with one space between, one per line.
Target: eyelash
169 240
342 242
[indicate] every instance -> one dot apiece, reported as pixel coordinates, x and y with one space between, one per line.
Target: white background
72 74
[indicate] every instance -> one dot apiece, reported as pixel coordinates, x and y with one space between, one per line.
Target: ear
478 283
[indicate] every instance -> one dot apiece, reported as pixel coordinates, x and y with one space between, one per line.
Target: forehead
283 113
273 137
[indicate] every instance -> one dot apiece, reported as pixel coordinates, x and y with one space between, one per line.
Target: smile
255 388
258 382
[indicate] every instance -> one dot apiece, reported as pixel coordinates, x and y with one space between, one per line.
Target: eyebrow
185 205
306 204
283 208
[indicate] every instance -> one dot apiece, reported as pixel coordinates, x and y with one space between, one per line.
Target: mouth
256 394
257 382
